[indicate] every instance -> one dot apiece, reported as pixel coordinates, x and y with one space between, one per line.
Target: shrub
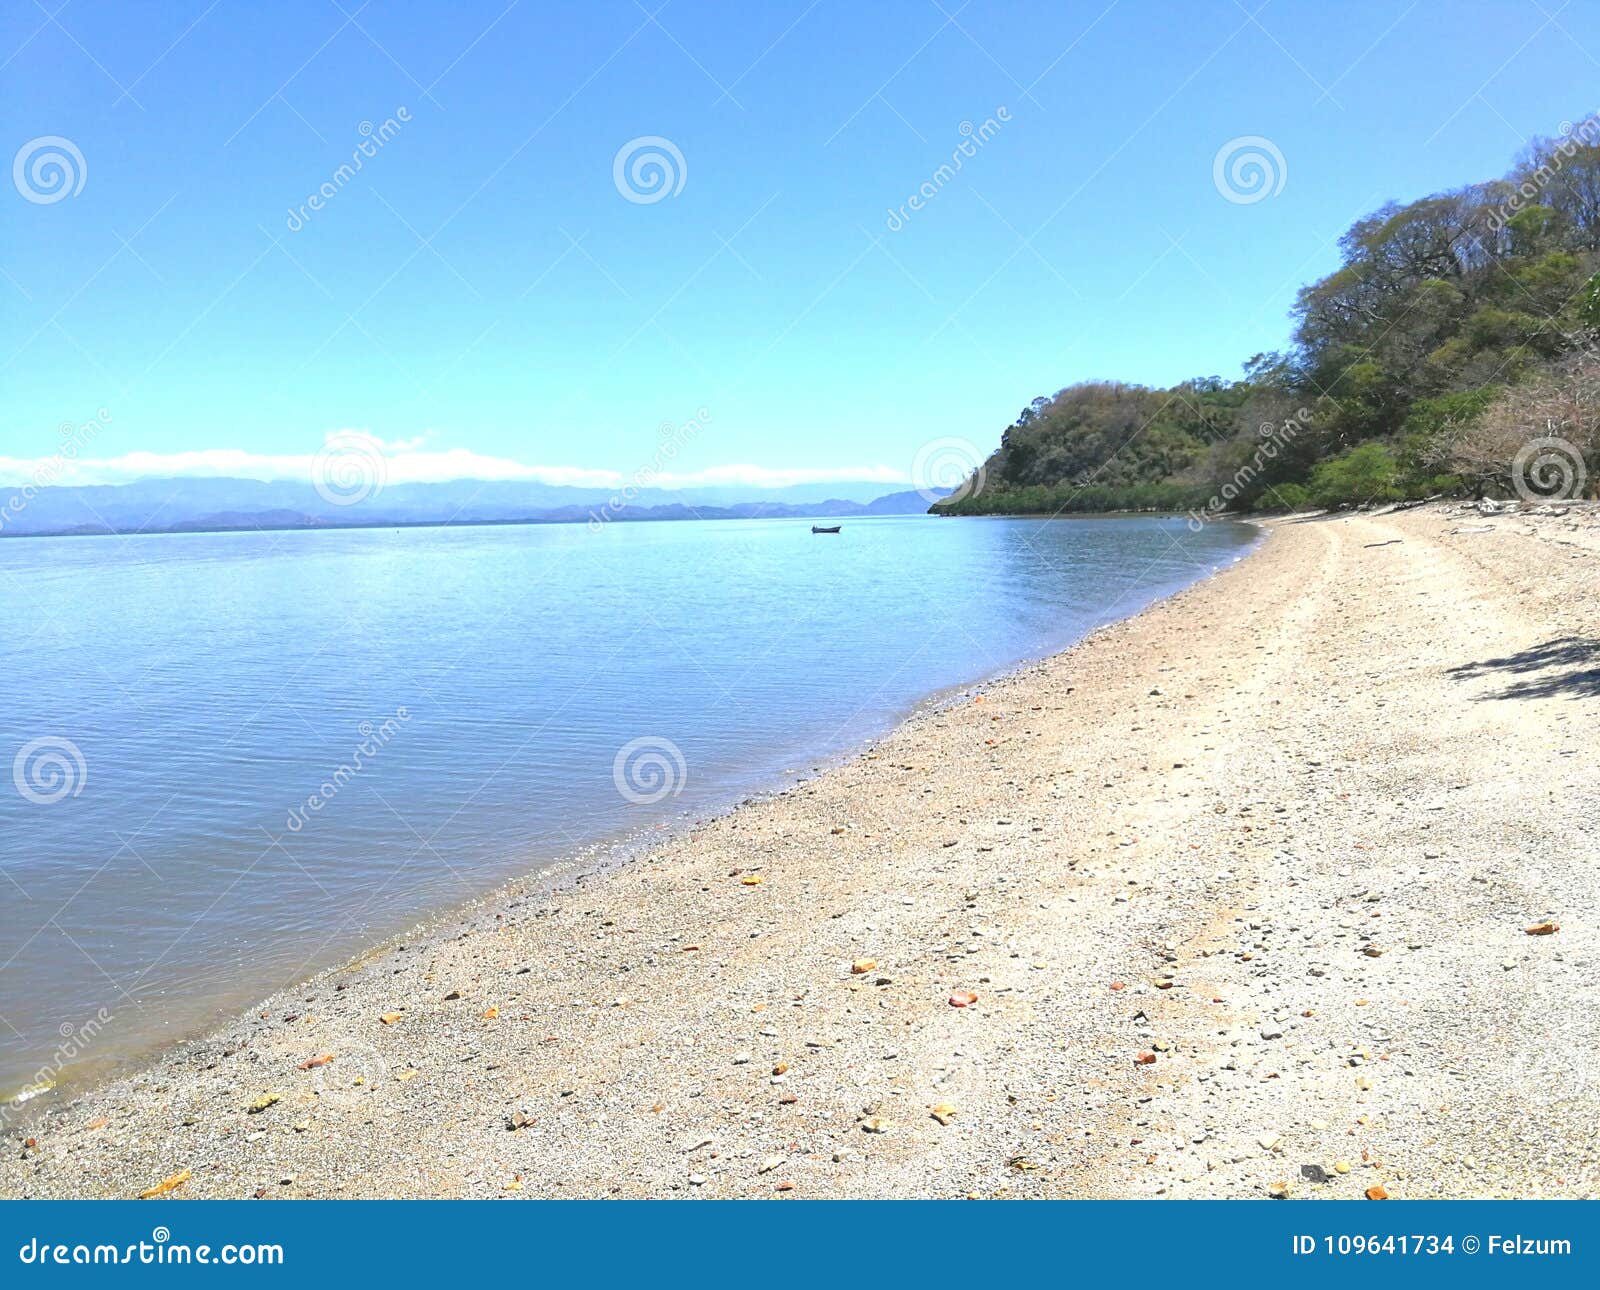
1285 497
1363 475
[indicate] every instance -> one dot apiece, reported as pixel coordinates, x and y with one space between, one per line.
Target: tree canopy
1408 365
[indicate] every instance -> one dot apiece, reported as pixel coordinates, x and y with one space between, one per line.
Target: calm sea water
237 758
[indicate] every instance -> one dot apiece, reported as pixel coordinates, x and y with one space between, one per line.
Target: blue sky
482 288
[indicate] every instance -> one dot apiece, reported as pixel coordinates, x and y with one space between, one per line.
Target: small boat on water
826 528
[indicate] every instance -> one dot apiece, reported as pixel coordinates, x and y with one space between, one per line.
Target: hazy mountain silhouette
188 504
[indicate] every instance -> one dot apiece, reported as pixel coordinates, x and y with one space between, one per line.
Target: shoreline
612 1015
550 876
1225 517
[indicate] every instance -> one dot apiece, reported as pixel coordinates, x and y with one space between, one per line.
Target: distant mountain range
190 504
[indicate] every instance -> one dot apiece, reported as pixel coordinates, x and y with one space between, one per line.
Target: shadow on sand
1566 666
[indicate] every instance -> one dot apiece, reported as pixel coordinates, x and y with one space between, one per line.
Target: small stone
771 1163
742 1059
1377 1193
1278 1190
1341 1166
697 1180
1270 1141
944 1113
862 966
263 1102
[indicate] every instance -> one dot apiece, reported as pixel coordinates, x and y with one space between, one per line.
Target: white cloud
767 477
406 462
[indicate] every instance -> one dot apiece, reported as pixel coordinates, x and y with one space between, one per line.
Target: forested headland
1456 351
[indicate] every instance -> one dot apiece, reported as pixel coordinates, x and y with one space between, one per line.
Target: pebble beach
1283 888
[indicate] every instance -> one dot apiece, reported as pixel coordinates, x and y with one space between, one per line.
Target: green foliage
1286 497
1426 430
1360 477
1589 303
1438 307
1092 499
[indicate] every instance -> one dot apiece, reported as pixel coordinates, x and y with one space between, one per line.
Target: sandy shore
1241 887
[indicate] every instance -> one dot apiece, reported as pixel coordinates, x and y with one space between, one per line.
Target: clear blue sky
483 282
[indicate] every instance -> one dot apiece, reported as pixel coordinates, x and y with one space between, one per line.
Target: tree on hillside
1443 340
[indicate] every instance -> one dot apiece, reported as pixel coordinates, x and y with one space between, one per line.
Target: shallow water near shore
239 758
